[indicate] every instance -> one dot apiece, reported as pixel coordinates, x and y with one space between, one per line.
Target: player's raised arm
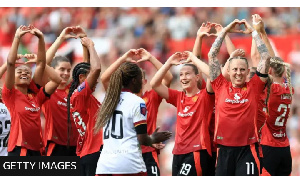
95 62
156 81
264 64
202 32
214 65
12 56
127 57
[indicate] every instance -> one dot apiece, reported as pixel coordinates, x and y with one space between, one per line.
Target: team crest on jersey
143 109
67 91
230 89
81 87
194 99
145 99
244 88
30 96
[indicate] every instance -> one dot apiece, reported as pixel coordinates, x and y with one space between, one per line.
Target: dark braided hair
128 75
80 68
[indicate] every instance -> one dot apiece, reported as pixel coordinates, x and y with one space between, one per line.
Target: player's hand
67 33
204 29
231 27
248 27
188 57
80 33
35 31
130 56
87 42
237 52
32 58
176 59
19 57
22 30
218 28
158 137
143 55
159 146
258 23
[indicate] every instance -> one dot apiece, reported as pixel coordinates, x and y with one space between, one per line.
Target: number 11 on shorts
250 165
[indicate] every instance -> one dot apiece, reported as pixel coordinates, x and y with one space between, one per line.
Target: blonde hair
279 67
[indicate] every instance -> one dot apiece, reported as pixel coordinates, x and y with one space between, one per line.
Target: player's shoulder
131 98
2 106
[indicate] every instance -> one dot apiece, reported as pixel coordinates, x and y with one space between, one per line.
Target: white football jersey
4 129
121 153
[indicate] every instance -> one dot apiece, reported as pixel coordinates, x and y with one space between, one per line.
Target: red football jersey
236 111
211 127
152 100
262 112
191 116
55 111
84 109
25 111
274 131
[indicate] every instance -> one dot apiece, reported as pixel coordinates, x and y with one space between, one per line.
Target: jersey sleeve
218 82
42 96
140 117
155 97
33 87
258 84
173 96
8 96
81 96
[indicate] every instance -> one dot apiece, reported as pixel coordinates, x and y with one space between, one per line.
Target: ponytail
111 100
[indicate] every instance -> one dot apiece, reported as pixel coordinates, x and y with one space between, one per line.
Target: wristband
261 75
254 33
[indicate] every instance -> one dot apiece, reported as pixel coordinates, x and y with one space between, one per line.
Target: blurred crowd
116 30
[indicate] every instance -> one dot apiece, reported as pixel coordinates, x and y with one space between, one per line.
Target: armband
262 75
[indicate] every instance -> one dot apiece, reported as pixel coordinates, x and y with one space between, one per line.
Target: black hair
80 68
194 68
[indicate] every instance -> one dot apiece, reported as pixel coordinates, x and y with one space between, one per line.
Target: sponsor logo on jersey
143 109
279 135
63 103
81 87
186 109
237 97
185 114
34 109
286 96
219 138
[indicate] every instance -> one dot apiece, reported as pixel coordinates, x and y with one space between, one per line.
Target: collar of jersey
126 90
